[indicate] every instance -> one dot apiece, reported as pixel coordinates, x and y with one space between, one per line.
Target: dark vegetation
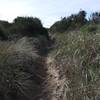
77 52
22 26
75 21
24 44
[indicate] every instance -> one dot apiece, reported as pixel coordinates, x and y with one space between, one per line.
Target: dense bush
76 21
70 23
22 26
28 26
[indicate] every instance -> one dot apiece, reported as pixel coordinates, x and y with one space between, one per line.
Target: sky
48 11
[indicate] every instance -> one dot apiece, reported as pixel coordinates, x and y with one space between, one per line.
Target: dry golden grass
78 57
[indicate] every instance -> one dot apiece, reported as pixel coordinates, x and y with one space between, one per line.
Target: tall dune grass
78 54
20 70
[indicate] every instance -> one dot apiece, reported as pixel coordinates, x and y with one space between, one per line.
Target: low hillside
60 63
22 68
23 48
77 54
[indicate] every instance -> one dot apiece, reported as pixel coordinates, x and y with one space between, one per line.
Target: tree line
22 26
75 21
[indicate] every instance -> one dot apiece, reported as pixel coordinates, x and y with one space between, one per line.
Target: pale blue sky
48 11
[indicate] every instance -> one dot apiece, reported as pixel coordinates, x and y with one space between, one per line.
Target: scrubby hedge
22 26
70 23
75 22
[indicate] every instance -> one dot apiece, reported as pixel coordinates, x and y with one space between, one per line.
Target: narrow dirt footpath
53 84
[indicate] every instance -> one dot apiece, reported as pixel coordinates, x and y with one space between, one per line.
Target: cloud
9 9
52 10
48 11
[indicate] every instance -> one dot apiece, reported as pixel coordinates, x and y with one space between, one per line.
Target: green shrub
22 26
92 28
28 26
70 23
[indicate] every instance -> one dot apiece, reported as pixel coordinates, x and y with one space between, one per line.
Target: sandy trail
53 85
